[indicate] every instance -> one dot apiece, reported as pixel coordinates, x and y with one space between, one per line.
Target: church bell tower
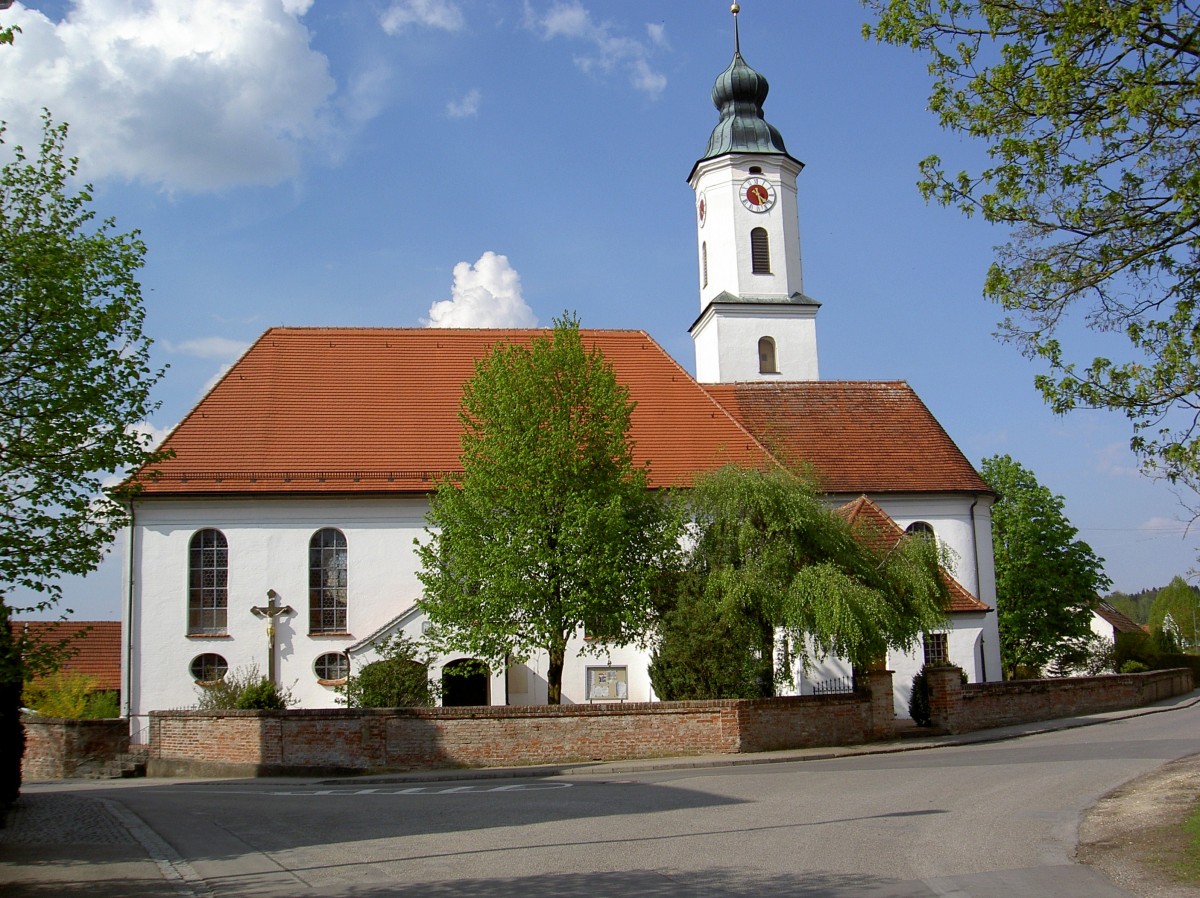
755 321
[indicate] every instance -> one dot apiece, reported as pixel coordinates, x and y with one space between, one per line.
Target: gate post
882 723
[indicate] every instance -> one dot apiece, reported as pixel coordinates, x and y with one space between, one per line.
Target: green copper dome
739 93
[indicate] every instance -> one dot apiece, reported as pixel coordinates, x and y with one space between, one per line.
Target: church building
280 535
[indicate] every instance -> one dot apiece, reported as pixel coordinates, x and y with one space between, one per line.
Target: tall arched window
327 582
208 582
766 356
704 263
760 251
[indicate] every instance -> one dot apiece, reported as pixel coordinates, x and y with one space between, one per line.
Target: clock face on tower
757 194
702 209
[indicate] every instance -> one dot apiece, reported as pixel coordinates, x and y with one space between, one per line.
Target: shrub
12 731
261 696
243 688
1134 667
62 694
399 679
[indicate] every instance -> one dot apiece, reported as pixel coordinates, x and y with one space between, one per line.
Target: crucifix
270 611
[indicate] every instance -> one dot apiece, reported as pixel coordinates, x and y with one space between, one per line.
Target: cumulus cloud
465 107
486 294
608 51
179 94
208 347
426 13
151 436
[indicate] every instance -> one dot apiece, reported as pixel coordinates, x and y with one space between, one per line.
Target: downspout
975 546
129 622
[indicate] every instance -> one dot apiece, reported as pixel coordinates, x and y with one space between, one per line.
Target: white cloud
486 294
180 94
429 13
466 107
152 436
570 20
208 347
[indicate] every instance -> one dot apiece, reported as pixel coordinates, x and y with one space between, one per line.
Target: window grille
332 666
208 582
760 251
327 582
208 668
920 528
936 648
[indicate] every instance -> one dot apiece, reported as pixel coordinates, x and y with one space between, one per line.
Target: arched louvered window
766 356
327 582
760 251
922 529
208 582
704 264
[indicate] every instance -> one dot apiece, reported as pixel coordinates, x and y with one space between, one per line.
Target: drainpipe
129 623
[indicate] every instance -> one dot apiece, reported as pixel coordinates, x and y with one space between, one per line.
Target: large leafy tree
1090 110
1047 581
551 528
1182 603
74 378
768 553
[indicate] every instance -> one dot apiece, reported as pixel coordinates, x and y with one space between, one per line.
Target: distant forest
1137 605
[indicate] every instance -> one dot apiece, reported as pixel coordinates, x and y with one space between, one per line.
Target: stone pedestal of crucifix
270 611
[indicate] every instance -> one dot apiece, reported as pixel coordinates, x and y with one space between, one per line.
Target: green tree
74 378
551 527
1046 580
769 553
399 679
1090 110
1180 601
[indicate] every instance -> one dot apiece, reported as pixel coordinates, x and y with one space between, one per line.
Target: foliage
63 693
704 649
1131 666
767 552
1089 656
1141 648
399 679
245 689
76 373
918 701
1090 111
12 731
1046 580
551 526
1180 601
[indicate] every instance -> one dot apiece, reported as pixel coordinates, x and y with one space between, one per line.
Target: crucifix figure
270 611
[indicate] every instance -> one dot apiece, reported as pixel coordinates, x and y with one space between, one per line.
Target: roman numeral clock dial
757 194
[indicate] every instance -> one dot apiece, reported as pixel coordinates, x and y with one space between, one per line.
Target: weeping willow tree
767 554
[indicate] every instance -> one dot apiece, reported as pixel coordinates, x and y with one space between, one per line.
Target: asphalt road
980 820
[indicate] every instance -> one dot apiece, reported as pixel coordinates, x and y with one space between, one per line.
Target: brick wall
341 740
209 743
62 748
979 706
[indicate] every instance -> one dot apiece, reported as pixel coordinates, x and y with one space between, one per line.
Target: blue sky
393 162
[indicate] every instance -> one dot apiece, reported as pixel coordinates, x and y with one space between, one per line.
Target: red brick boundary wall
63 748
958 708
340 740
318 742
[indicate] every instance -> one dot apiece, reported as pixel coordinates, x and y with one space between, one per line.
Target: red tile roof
876 526
96 651
376 410
858 436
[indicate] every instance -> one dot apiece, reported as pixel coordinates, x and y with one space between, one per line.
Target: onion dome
738 94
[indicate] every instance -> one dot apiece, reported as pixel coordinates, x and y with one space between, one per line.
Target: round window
208 668
332 666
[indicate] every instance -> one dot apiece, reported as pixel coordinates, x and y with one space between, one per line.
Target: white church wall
268 542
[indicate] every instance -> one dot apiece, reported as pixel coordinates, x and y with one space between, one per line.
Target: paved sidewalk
61 839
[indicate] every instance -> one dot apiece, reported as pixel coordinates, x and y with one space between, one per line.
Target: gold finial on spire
736 8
